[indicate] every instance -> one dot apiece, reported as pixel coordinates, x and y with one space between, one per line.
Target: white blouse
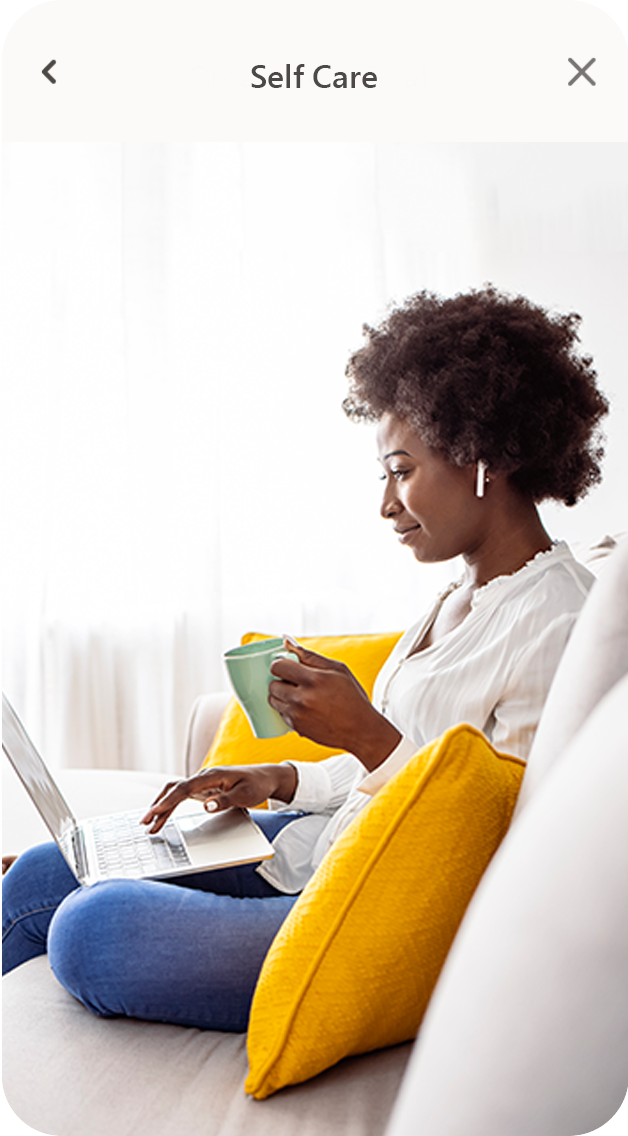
493 671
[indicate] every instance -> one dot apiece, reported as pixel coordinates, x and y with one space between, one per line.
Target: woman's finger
292 672
156 820
160 809
163 792
280 695
311 658
217 803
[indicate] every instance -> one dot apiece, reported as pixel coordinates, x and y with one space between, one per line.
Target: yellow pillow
353 967
235 743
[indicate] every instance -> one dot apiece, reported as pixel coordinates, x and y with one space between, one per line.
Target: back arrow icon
46 71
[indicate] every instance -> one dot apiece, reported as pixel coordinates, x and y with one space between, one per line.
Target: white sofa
527 1031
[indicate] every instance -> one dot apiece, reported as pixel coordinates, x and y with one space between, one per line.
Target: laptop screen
33 773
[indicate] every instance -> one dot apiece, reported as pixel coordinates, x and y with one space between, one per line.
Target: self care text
321 77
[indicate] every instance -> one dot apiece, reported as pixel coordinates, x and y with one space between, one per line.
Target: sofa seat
128 1076
123 1075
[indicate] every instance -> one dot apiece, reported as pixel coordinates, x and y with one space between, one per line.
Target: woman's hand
321 700
222 787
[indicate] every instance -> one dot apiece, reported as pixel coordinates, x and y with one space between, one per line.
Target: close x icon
581 71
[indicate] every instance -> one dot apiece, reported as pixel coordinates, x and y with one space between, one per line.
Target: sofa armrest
202 724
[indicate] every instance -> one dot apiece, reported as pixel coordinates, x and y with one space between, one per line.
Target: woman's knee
90 939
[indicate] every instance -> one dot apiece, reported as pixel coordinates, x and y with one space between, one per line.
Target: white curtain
177 467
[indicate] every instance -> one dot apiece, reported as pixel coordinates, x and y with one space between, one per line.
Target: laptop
117 846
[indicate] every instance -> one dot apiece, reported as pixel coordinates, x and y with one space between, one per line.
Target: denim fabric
188 953
32 890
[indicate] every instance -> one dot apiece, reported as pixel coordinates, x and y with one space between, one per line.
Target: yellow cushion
353 967
235 743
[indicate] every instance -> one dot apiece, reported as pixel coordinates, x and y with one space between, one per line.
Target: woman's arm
517 714
321 700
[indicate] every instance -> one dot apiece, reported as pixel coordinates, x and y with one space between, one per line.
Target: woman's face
431 503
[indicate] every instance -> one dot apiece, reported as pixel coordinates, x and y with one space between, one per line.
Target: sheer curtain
177 467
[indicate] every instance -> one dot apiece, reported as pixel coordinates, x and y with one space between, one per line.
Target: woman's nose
390 505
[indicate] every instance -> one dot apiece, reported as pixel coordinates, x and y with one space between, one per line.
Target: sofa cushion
354 965
595 658
235 743
527 1031
71 1073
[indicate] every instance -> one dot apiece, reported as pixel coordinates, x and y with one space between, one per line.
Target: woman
484 408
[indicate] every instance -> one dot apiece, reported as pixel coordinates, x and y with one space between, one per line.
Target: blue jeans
188 953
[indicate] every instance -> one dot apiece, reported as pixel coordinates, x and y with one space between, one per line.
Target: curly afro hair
491 376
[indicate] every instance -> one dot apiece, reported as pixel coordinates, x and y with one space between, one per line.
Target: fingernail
211 806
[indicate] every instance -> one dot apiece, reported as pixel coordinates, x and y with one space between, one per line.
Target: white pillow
595 658
527 1031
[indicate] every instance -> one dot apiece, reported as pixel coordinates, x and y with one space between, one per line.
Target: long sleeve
323 786
516 716
393 763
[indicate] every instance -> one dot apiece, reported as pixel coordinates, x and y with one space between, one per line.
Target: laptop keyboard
124 848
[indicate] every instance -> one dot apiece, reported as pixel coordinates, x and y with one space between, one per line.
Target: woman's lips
405 535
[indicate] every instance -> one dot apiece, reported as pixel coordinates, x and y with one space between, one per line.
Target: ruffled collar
559 551
538 562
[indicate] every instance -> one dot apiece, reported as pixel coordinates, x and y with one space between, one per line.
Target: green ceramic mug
248 668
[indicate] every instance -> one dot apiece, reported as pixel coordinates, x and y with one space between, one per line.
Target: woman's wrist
286 782
380 742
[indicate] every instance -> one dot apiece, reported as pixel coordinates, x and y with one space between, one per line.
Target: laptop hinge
78 851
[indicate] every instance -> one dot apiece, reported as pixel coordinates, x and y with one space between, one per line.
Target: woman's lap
148 949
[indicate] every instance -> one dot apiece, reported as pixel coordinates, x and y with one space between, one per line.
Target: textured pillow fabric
527 1032
235 743
353 967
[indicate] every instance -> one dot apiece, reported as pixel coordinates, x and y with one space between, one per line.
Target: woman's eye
396 474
